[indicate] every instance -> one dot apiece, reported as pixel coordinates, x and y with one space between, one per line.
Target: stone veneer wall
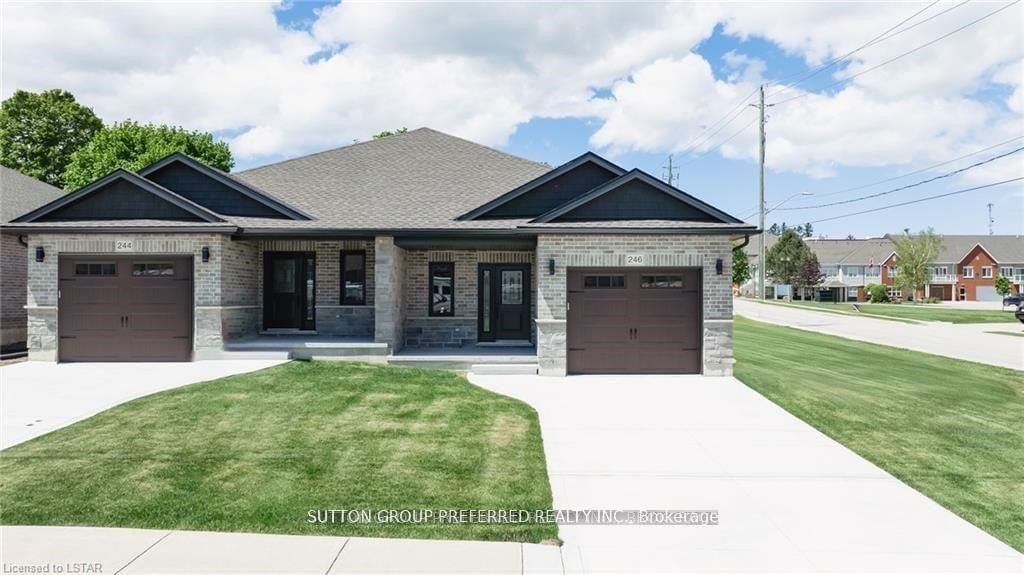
592 250
424 330
208 294
13 271
332 318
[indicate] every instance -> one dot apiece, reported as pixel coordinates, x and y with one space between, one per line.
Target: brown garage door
125 308
625 320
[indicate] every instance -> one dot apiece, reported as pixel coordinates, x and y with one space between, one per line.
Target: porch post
389 275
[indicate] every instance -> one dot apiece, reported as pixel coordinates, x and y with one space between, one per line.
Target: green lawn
256 452
918 312
953 430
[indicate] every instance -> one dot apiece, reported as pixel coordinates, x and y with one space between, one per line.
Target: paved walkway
789 498
960 341
37 397
150 551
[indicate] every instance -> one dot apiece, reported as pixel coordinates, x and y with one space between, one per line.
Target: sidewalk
110 550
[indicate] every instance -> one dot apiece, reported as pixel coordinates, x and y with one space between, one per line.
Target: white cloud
481 70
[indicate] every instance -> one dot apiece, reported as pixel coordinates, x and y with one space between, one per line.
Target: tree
40 131
808 230
740 266
784 259
1002 284
774 230
877 293
915 254
387 133
808 271
131 145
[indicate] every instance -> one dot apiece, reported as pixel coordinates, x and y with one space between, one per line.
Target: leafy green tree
740 266
916 254
784 259
808 230
808 271
1002 285
877 293
774 230
40 131
386 133
131 145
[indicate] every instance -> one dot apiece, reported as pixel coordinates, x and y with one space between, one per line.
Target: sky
634 82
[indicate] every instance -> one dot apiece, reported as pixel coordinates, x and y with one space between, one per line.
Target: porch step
504 368
462 362
308 349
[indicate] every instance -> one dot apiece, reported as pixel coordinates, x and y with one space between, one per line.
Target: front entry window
284 276
485 300
442 288
511 287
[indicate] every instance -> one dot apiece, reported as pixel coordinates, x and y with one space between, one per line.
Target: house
964 270
18 194
417 241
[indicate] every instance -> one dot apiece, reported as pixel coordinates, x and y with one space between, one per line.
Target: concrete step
504 369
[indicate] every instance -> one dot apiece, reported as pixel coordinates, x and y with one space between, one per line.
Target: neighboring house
965 268
417 241
18 194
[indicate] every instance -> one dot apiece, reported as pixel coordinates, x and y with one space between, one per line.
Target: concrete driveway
789 498
959 341
38 397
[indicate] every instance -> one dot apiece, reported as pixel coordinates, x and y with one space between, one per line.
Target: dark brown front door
289 298
625 320
504 298
125 308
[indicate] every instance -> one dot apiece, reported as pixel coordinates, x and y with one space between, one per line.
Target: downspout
746 240
21 240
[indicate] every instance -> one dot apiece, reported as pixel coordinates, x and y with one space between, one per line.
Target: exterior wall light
40 253
551 267
206 254
718 266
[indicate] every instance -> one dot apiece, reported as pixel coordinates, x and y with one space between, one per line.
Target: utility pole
991 220
670 172
761 264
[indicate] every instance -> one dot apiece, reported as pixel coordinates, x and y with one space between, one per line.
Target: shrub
877 293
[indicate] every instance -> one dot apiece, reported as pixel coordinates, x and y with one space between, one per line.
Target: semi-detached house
416 241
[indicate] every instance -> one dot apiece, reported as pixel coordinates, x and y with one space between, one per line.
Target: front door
289 288
504 301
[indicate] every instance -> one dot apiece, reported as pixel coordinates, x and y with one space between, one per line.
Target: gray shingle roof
20 194
1005 249
421 179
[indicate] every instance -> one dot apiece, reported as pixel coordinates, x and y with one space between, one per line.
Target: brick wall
423 330
13 271
976 259
572 251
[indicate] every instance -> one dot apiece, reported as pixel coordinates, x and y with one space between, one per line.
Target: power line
908 186
879 38
919 200
713 134
907 53
722 143
915 172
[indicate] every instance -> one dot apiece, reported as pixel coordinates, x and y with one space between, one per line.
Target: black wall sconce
551 267
718 266
206 254
40 253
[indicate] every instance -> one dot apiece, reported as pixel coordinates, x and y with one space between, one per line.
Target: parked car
1020 313
1015 299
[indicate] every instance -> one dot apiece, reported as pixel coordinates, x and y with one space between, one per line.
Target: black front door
289 289
504 297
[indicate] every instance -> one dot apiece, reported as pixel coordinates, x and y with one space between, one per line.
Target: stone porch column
389 276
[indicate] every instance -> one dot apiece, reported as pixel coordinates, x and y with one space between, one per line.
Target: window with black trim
442 288
605 281
153 269
353 278
95 269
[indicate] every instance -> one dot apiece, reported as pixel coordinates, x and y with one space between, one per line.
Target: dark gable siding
550 195
208 192
636 200
119 200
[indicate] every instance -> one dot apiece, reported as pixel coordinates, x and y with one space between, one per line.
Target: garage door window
155 269
95 269
661 282
604 281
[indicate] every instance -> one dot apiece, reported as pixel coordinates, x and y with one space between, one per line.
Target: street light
761 264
